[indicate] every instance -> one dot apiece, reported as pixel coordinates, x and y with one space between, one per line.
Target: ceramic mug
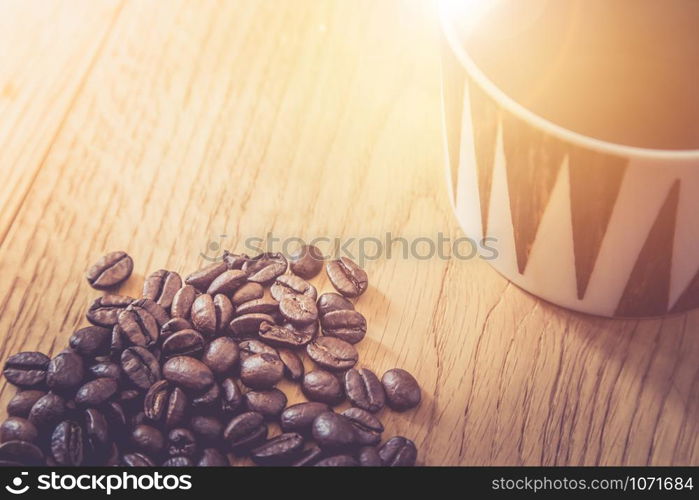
590 225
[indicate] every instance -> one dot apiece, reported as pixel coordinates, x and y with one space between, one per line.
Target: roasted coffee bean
208 398
138 326
248 324
67 446
367 426
329 302
338 461
161 286
234 261
298 309
65 371
188 372
211 315
265 267
251 347
184 343
165 403
398 452
137 460
104 311
347 277
221 355
227 282
96 392
117 342
224 312
368 456
105 369
207 429
364 389
182 302
300 417
181 443
160 315
26 369
306 261
293 366
211 457
288 284
22 402
173 326
347 325
47 411
269 403
178 462
308 457
21 452
261 371
96 431
402 390
91 341
279 450
110 270
323 386
231 396
18 429
286 335
245 431
246 293
264 305
140 367
202 278
332 353
333 432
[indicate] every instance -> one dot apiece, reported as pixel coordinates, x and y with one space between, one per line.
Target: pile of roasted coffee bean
186 374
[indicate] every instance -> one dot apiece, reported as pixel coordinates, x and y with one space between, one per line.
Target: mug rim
540 122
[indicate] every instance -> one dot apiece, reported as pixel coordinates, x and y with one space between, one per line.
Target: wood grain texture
178 122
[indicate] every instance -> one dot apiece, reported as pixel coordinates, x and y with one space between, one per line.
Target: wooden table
159 126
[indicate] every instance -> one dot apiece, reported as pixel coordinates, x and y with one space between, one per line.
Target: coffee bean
138 326
333 432
286 335
402 390
26 369
202 278
221 355
269 403
104 311
329 302
306 261
184 343
293 366
231 396
298 309
288 284
91 341
173 326
182 302
246 293
227 282
160 315
178 462
181 443
261 371
67 444
21 452
279 450
300 417
207 399
234 261
65 371
248 324
188 372
140 367
165 403
147 439
96 431
332 353
338 461
347 325
137 460
347 277
252 346
308 457
323 386
211 457
47 411
265 305
245 431
398 452
161 287
208 429
265 267
96 392
117 341
364 389
22 402
18 429
367 426
211 315
368 456
110 270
